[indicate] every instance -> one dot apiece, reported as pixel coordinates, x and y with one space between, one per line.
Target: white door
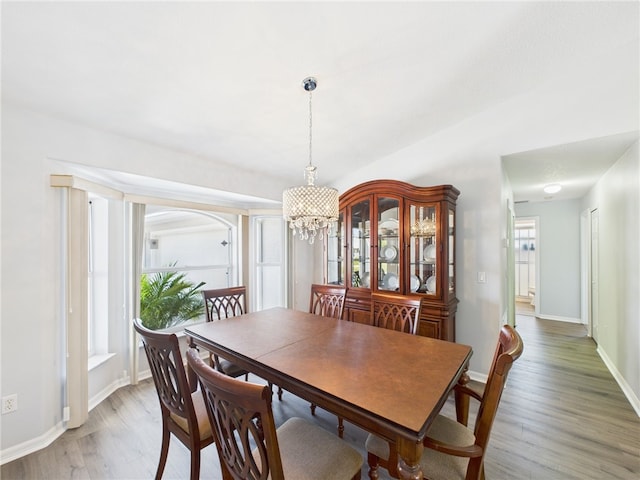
594 275
511 270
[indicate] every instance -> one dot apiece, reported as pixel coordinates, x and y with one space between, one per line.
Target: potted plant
167 299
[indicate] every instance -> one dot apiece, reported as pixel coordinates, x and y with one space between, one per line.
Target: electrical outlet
10 403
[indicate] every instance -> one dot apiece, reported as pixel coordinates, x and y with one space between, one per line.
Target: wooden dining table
389 383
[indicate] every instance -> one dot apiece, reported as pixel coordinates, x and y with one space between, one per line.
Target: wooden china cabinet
393 236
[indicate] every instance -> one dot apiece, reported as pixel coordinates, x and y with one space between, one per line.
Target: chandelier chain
310 129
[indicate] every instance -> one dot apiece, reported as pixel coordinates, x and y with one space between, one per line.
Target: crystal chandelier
308 208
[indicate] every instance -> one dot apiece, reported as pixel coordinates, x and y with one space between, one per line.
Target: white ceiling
574 166
223 79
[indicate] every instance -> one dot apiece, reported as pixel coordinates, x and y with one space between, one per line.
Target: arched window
185 251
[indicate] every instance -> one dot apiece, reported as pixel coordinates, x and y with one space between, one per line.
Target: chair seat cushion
204 427
440 466
309 452
435 465
230 369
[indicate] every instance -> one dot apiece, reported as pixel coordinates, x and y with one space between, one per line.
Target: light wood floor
525 308
562 417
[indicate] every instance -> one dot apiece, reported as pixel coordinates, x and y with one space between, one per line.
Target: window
269 261
185 251
98 276
525 258
109 240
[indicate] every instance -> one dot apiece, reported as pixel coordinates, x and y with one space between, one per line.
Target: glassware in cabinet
388 243
360 245
423 247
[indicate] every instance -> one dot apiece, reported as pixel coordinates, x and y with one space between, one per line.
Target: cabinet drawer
359 316
358 306
430 329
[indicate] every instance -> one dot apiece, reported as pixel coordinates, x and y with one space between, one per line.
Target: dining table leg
462 401
409 454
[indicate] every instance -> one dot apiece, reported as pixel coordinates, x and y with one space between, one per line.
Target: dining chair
328 301
452 450
182 405
227 303
250 446
395 312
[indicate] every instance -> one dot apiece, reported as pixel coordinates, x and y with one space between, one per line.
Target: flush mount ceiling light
552 188
309 209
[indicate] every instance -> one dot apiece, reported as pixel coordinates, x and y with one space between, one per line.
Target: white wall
558 247
617 198
305 268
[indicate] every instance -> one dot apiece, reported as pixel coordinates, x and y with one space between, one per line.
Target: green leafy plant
167 299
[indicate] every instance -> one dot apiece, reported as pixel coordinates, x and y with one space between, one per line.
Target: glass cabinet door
389 251
335 252
360 248
452 251
423 249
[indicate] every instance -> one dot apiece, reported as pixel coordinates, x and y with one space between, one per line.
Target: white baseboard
44 440
626 388
559 319
478 377
33 445
108 390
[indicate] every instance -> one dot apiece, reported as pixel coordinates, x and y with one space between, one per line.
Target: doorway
525 249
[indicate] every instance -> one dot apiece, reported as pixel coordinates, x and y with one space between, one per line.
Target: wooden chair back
222 303
508 350
327 300
225 302
395 312
242 419
174 390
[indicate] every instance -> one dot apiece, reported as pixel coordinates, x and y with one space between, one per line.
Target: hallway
562 414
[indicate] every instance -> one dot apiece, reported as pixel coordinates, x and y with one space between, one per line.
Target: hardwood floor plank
562 417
